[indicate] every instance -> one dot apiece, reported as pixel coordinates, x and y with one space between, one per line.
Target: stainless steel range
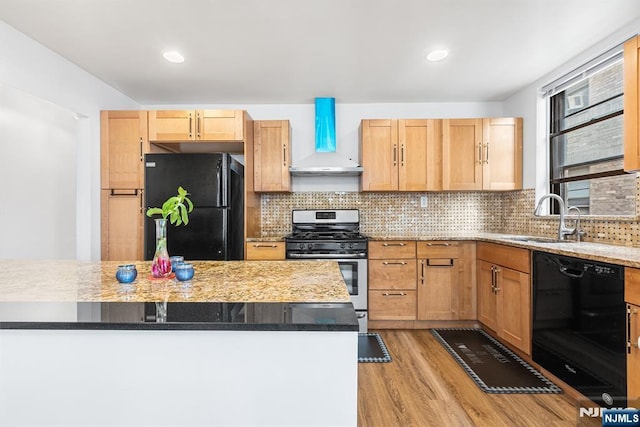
333 235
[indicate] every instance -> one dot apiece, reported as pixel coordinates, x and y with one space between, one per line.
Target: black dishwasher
579 330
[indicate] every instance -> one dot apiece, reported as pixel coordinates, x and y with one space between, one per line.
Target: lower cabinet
122 225
446 280
632 297
504 293
265 251
392 280
421 281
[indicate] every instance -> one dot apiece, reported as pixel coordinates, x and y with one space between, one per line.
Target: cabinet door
172 125
272 151
123 142
379 148
633 357
487 308
632 105
462 152
418 169
467 279
122 225
392 274
514 312
219 125
502 154
438 289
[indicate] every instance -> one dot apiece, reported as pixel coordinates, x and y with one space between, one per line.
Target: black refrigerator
215 182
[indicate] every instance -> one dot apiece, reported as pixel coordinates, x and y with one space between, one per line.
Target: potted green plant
176 209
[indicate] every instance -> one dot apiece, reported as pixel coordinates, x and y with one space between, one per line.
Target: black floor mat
495 368
371 348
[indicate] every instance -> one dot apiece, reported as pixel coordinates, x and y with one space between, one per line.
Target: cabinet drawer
392 305
506 256
438 249
392 274
632 285
390 249
265 250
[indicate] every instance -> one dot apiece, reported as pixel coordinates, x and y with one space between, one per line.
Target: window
586 140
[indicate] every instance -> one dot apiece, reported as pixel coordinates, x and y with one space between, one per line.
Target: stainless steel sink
537 239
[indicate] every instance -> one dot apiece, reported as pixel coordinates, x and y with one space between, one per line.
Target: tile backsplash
446 213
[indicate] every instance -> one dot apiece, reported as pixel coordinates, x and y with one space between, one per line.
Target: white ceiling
291 51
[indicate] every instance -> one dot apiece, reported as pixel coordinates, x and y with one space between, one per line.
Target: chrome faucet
576 229
563 231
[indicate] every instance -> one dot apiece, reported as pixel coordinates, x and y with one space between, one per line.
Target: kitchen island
242 343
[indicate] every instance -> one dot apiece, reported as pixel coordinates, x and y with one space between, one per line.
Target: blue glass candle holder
184 271
175 260
126 273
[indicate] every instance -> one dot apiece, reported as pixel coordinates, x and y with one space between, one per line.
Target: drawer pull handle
265 246
133 192
438 244
394 294
394 244
394 263
440 262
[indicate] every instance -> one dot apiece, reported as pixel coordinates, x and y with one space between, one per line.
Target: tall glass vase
161 265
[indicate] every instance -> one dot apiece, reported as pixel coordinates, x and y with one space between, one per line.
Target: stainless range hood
327 164
325 161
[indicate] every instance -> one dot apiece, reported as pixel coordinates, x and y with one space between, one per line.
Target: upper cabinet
123 142
631 107
482 154
272 151
196 125
400 155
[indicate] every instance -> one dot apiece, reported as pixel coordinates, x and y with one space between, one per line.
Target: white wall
528 103
30 67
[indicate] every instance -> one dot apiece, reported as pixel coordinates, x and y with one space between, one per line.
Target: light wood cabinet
272 149
123 142
482 154
400 155
632 297
504 292
446 283
196 125
632 105
392 280
265 251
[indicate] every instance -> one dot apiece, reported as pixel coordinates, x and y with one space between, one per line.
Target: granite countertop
614 254
223 295
214 281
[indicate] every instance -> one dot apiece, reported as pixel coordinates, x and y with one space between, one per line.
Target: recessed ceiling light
437 55
173 56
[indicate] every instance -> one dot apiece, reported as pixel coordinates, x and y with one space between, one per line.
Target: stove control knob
342 245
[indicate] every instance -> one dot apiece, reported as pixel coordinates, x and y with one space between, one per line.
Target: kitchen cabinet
632 104
123 143
504 292
446 283
482 154
272 155
392 280
196 125
632 297
400 155
265 250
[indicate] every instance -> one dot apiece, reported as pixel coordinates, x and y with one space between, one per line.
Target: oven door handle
320 257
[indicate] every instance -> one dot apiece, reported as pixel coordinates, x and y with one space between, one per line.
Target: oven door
354 272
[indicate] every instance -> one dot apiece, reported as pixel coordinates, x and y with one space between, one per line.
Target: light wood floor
424 386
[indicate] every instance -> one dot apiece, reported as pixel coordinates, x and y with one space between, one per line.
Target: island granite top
264 295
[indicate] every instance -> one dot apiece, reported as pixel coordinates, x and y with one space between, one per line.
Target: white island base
178 378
